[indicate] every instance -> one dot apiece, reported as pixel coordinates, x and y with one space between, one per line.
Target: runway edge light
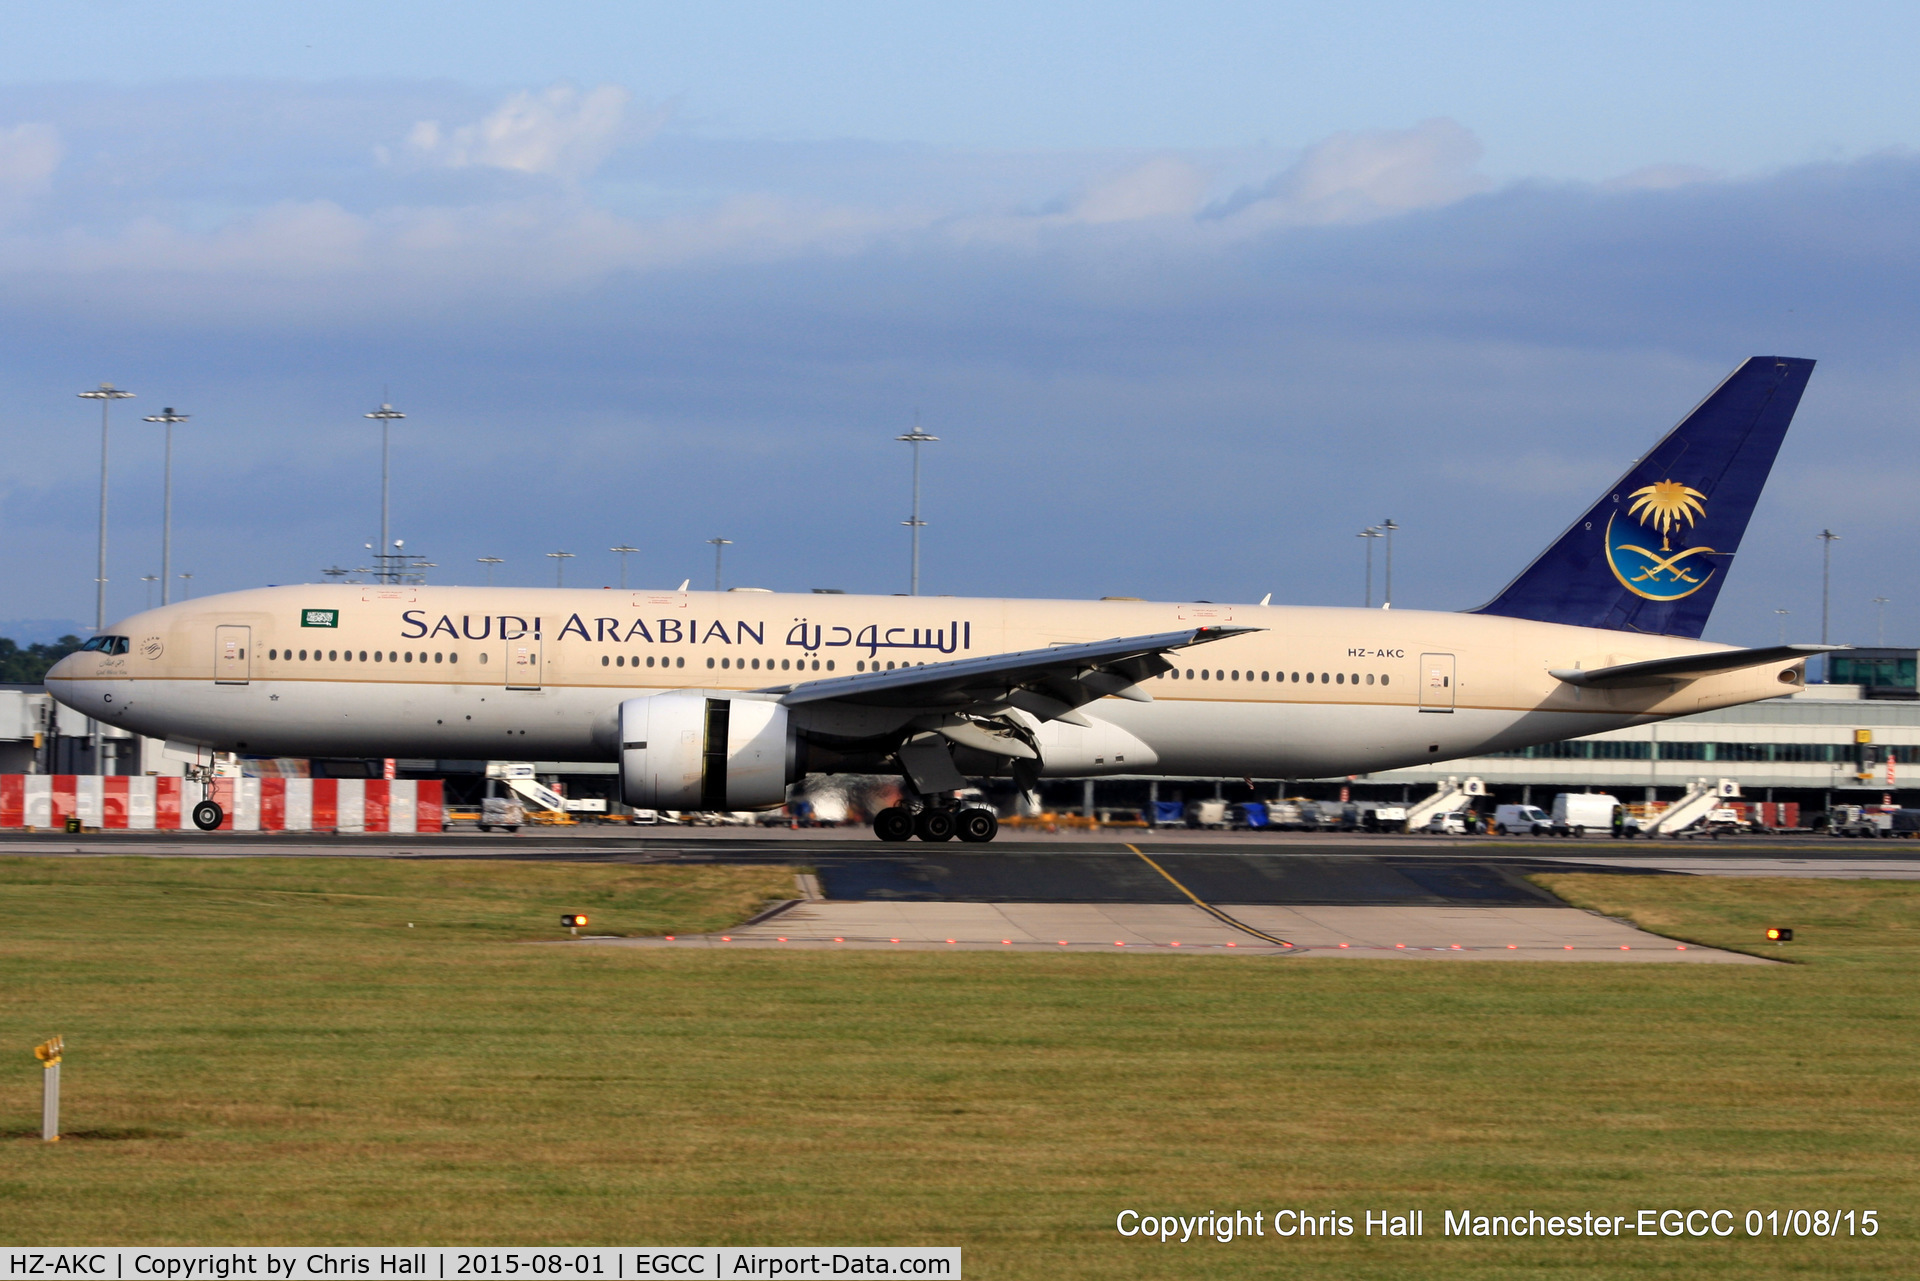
49 1054
573 921
1779 934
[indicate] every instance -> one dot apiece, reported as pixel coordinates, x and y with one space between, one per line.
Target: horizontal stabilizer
1686 667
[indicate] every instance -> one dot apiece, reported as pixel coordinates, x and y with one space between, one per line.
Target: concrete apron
1407 933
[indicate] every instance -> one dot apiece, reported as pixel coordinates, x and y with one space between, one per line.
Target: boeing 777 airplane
722 701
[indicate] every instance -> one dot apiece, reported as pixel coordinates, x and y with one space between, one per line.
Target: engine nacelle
692 750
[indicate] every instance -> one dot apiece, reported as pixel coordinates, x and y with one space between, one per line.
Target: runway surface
1423 932
1223 894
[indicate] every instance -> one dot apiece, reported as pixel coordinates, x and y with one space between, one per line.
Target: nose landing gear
207 815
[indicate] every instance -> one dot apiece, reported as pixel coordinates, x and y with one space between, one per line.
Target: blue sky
1192 294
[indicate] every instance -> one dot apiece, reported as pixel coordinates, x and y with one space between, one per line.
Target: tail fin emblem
1670 508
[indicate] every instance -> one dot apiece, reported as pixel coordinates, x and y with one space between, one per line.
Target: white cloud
557 131
1660 178
29 155
1359 177
1164 187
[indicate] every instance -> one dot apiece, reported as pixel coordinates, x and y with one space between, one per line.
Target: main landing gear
975 826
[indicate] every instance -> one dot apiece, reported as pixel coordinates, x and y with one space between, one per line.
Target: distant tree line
29 666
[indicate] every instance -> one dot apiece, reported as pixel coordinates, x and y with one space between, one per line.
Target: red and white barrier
145 803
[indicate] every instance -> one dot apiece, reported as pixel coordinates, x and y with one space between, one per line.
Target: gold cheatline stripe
1206 907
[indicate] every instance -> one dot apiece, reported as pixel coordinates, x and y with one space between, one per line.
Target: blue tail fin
1652 554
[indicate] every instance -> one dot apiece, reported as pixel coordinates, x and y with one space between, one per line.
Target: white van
1517 820
1577 813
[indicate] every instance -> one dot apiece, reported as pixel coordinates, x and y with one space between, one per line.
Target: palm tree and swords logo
1669 508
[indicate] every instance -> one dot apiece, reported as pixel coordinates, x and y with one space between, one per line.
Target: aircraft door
230 661
1436 682
523 663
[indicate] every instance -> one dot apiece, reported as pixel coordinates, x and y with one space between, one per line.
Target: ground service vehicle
1522 820
1577 813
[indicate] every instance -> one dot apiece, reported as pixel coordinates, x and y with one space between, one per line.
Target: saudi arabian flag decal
319 618
1669 509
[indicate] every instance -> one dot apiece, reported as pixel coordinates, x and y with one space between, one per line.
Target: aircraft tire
934 825
977 826
893 824
207 815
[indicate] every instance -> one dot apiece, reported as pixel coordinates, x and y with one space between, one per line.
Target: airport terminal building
1828 744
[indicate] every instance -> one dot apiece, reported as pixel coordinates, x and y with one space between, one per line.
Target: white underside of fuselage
1185 737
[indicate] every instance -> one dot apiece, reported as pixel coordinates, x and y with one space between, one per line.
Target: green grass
269 1055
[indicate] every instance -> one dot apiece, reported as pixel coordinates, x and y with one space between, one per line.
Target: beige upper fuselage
534 673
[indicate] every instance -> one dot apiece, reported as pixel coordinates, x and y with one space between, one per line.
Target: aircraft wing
1048 683
1686 667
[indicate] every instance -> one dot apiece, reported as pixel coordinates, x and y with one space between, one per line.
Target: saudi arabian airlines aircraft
721 701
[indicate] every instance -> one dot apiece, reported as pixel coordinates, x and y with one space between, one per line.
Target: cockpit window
106 645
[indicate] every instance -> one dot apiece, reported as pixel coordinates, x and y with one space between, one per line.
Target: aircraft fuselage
519 673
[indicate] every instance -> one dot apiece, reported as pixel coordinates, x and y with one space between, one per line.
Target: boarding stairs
537 797
1447 797
1702 798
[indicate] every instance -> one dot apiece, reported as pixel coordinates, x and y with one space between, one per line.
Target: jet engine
694 750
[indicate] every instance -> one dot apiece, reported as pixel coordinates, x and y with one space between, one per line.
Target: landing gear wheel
934 825
977 826
894 824
207 816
